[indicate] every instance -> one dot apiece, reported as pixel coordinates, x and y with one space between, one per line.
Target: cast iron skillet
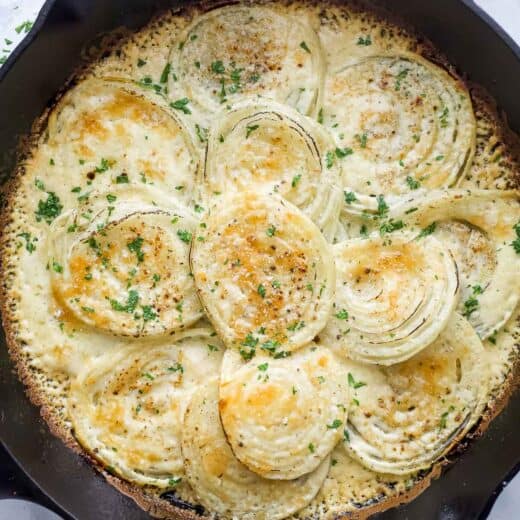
29 81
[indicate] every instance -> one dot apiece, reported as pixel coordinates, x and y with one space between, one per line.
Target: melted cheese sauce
369 116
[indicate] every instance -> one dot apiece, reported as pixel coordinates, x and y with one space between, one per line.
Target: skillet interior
24 93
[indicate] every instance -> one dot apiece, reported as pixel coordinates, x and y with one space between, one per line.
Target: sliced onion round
264 273
408 415
240 50
108 132
406 120
127 406
394 296
282 417
481 228
120 263
270 147
222 483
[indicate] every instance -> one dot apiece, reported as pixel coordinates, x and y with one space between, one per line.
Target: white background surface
14 14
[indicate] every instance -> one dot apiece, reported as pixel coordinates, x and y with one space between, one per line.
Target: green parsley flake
343 152
250 129
428 230
295 180
329 159
413 184
29 242
350 197
304 46
49 209
184 235
353 383
131 303
342 314
135 247
390 226
218 67
366 40
182 105
165 73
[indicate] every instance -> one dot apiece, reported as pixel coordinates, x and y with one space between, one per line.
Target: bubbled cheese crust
301 112
282 417
264 273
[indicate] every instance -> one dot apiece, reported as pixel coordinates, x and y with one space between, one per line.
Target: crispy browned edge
162 508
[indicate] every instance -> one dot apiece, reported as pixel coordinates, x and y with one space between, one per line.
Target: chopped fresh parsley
56 267
336 423
29 242
250 129
182 105
382 206
111 198
472 304
400 77
263 367
443 118
122 179
350 197
176 367
444 417
390 226
184 235
413 184
261 290
295 180
165 73
366 40
353 383
320 116
271 230
343 152
329 159
129 306
248 347
135 247
342 314
362 140
305 47
24 26
297 325
311 447
218 67
141 62
49 209
428 230
202 133
104 165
